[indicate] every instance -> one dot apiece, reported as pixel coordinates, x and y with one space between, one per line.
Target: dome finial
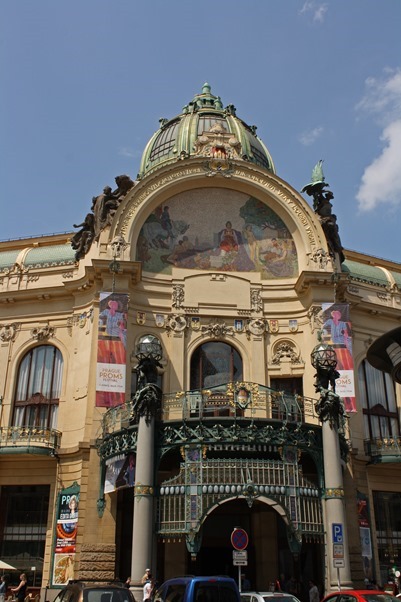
206 89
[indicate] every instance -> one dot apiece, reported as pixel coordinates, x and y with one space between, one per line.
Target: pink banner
338 333
111 353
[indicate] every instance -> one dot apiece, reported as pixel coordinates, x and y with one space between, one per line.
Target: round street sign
239 539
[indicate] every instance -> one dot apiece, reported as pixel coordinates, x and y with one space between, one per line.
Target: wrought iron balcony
386 449
16 439
235 401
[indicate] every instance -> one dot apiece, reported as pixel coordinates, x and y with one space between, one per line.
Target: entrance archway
269 554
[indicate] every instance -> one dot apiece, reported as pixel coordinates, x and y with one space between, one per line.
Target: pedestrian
313 592
20 591
3 588
147 588
146 576
127 583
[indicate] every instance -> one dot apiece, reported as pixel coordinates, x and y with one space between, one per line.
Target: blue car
198 589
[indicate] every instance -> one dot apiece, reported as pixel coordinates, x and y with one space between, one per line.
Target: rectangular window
23 521
387 507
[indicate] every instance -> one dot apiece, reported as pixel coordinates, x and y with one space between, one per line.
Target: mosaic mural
217 229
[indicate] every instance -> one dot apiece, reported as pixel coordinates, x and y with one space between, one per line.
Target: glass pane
389 384
214 364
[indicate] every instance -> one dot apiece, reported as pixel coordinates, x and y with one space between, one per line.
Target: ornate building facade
209 281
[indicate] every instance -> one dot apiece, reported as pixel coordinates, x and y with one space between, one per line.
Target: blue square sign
337 533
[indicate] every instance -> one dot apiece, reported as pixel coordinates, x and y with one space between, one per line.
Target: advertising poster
338 333
120 472
111 353
365 535
66 537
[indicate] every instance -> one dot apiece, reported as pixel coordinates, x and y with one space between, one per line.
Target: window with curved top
38 388
213 364
377 397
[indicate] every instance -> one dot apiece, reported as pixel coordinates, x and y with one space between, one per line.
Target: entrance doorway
268 550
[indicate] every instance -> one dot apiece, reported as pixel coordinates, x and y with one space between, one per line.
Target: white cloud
381 180
309 137
318 10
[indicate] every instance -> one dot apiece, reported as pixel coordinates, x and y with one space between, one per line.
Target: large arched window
38 388
377 395
213 364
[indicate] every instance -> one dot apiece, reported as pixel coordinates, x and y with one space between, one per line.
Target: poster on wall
365 535
338 333
66 536
120 472
111 352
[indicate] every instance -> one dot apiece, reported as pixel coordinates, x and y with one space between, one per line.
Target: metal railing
235 400
383 449
29 436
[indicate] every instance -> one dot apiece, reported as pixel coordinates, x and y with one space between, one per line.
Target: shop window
387 506
213 364
23 525
377 398
38 388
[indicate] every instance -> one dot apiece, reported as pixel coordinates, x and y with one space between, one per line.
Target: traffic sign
239 539
240 562
240 554
338 536
338 563
338 550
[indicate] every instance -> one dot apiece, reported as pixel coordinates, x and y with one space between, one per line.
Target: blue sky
84 83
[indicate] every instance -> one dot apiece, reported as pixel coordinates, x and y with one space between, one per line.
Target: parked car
360 595
198 589
267 597
77 591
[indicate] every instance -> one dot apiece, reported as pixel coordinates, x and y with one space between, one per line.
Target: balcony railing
18 437
386 449
235 400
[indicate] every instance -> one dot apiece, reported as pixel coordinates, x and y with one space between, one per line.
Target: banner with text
66 536
111 351
338 333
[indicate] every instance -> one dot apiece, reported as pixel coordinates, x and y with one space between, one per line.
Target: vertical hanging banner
111 350
338 333
66 535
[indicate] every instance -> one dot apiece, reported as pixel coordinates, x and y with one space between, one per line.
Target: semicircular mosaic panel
217 229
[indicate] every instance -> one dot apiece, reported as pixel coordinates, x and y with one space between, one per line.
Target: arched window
215 363
38 388
377 395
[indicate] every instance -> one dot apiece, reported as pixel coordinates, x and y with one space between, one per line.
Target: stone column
142 534
146 406
330 409
335 509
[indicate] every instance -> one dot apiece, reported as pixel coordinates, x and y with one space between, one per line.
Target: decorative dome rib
204 129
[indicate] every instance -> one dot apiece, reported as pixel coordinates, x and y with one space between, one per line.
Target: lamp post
330 411
146 405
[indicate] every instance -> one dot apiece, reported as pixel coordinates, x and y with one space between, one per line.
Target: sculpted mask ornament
8 332
285 351
42 332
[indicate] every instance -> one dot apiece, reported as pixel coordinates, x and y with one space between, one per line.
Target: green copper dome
204 129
